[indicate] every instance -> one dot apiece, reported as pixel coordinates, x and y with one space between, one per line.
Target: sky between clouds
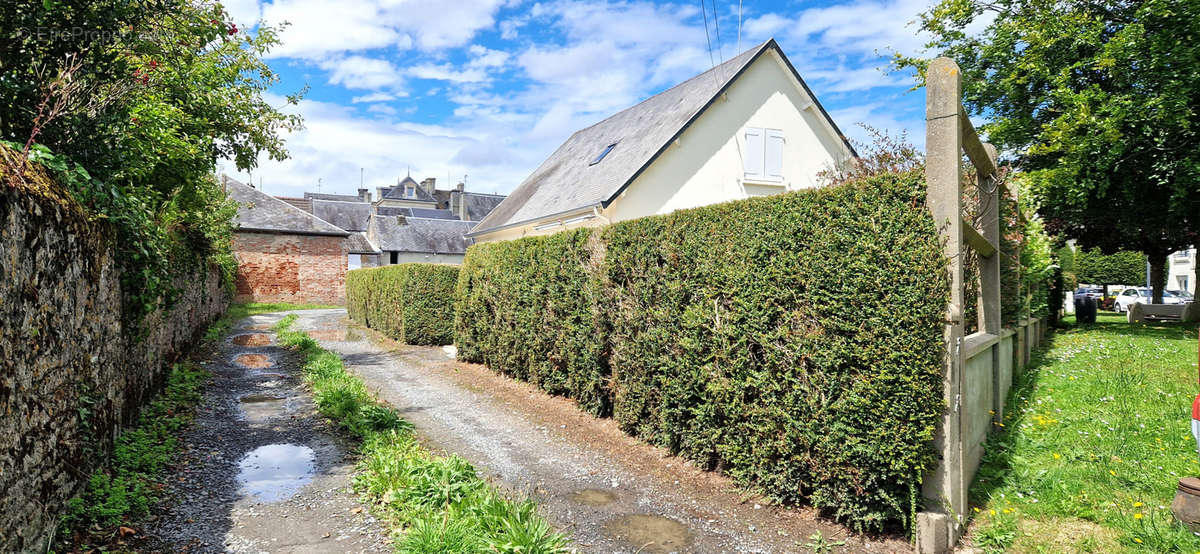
487 89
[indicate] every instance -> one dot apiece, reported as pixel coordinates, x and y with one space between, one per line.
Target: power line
717 25
704 10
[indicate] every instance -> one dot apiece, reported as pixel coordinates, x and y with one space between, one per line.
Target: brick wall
290 268
71 373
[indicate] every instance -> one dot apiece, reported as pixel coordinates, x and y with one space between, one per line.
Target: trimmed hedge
531 309
412 303
793 342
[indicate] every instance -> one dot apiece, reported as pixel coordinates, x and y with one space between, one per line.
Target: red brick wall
290 268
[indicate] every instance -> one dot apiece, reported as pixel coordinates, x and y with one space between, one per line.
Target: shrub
531 308
794 342
412 303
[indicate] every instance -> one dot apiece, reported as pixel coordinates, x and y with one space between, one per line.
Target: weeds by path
1094 441
121 493
435 503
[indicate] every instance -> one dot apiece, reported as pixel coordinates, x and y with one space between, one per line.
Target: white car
1142 295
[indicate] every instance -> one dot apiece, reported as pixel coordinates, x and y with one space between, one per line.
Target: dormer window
607 149
410 192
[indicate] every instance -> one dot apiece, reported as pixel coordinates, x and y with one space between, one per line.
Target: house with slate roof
284 253
747 127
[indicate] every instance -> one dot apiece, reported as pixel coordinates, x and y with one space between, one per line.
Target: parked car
1094 292
1142 295
1185 295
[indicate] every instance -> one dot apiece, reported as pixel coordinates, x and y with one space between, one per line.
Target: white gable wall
706 166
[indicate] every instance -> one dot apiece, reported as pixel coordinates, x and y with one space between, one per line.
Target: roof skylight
607 149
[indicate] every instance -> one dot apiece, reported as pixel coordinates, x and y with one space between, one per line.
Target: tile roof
569 181
351 216
258 211
480 205
427 213
416 234
302 203
397 192
334 197
357 243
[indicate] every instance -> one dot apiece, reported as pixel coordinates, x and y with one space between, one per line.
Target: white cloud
446 72
361 72
319 28
373 97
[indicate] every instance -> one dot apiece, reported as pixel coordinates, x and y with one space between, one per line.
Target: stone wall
71 373
290 268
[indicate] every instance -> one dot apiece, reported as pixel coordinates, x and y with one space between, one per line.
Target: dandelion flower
1137 540
1057 456
1137 504
1113 473
1137 516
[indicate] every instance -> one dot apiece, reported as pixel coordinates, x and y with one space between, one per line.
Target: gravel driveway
260 470
610 492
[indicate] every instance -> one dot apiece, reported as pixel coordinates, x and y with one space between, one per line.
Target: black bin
1085 309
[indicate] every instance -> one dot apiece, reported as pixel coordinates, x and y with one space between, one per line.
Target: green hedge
794 342
412 303
531 309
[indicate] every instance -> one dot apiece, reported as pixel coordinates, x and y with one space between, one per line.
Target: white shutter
753 158
773 164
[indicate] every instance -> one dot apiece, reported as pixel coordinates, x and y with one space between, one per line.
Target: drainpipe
596 212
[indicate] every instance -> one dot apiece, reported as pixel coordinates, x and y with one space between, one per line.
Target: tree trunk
1158 277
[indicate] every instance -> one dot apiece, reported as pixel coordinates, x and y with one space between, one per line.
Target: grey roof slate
351 216
480 205
302 203
258 211
334 197
566 181
428 213
440 236
397 192
357 243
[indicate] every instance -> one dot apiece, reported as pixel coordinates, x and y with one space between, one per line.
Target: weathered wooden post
939 527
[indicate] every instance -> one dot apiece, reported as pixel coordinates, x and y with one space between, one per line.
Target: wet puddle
261 407
651 533
592 497
252 339
276 472
254 361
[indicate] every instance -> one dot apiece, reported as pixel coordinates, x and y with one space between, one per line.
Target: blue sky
486 89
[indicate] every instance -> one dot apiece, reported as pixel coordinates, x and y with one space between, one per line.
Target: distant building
1181 271
748 127
407 222
284 253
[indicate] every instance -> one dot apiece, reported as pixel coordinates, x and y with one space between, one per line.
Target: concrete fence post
944 489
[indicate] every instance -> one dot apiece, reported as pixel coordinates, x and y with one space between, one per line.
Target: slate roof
357 243
351 216
427 213
397 192
334 197
480 205
258 211
438 236
302 203
566 181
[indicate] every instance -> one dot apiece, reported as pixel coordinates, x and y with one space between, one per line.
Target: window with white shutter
753 159
773 163
763 159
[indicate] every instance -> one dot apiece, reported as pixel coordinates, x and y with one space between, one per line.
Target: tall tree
1097 102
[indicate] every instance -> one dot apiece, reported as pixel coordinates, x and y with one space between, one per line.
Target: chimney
364 195
379 191
427 185
460 186
456 203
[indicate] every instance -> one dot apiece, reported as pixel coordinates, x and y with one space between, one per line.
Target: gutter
546 218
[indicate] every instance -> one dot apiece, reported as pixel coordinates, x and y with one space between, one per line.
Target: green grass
240 310
1096 436
123 492
434 503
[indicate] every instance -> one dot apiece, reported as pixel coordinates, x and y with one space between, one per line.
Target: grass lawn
1096 436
